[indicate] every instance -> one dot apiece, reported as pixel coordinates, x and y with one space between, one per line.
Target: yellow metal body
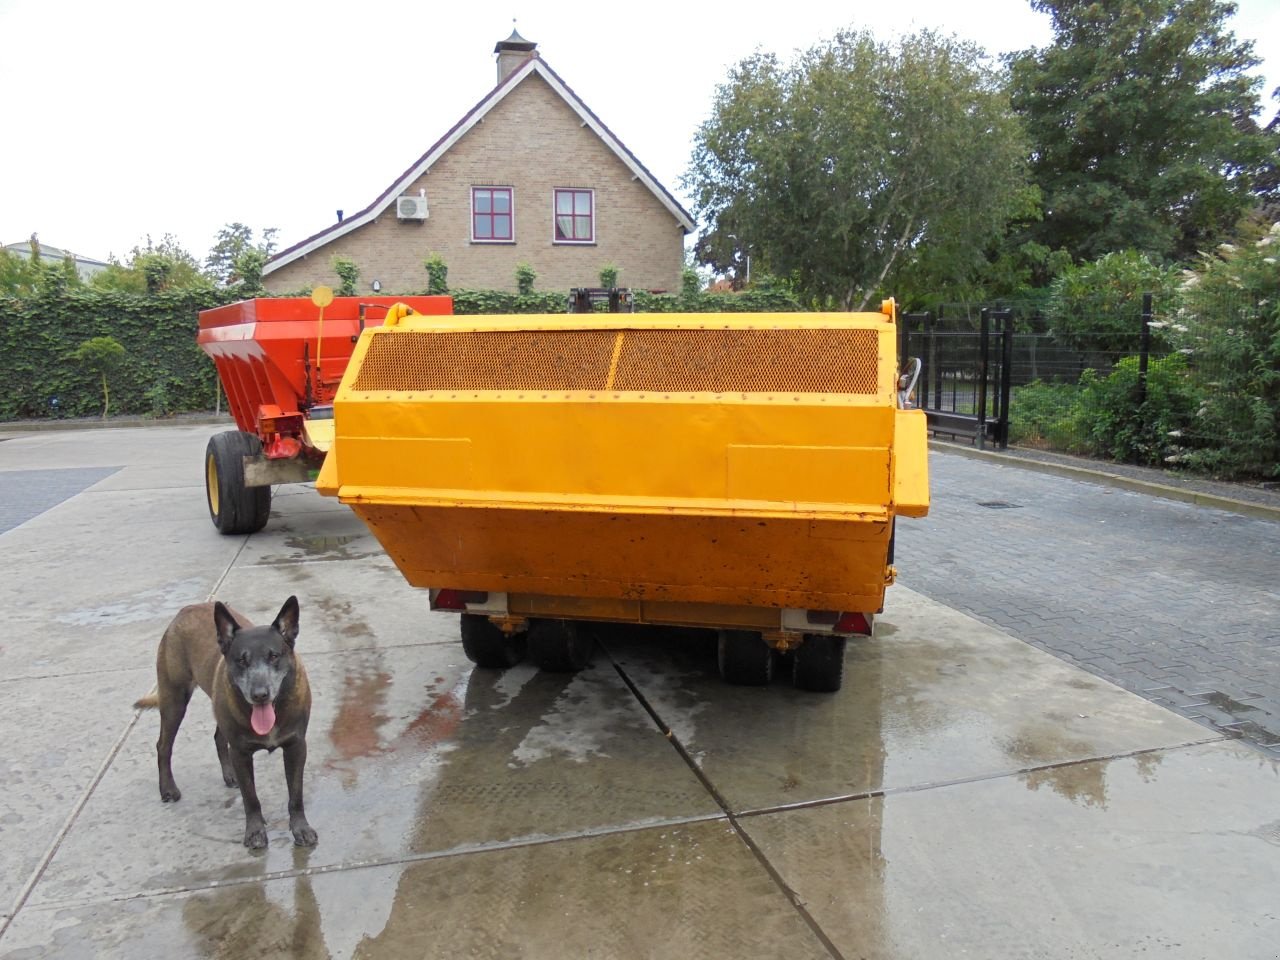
708 469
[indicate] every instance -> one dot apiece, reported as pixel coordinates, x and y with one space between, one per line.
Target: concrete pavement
965 794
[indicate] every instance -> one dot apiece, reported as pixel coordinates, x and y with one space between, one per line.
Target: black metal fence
997 374
1192 382
966 380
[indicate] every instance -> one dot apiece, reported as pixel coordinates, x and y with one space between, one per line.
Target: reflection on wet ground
962 791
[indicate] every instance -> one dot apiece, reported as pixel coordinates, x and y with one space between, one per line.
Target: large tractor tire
819 663
487 646
233 507
560 646
744 658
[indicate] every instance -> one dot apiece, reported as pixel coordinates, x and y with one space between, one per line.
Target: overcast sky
140 117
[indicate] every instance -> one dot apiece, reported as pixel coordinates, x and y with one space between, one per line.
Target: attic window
575 216
492 215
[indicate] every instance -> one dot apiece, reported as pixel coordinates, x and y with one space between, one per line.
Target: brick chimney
512 52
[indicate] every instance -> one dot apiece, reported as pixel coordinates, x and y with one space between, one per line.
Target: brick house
529 175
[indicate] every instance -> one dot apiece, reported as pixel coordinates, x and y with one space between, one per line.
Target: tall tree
22 276
155 268
1141 113
224 262
856 161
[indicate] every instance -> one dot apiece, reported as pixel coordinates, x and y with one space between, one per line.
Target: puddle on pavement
1237 719
340 616
325 547
1226 703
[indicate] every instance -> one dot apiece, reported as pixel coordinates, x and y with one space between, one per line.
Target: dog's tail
148 702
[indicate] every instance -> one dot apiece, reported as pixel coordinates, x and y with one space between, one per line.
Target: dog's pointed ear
286 622
226 626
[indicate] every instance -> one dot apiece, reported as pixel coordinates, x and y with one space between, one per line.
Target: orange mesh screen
668 361
748 361
488 360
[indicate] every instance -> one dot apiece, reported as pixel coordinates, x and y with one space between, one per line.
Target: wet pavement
965 794
1178 603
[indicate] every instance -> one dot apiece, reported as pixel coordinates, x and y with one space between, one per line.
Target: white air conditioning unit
411 208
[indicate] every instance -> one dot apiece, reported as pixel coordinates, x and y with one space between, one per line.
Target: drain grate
999 505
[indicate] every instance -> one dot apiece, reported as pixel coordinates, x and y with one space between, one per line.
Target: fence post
984 357
1144 349
1006 377
935 364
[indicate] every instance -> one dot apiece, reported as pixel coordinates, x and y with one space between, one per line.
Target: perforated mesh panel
748 361
488 360
666 361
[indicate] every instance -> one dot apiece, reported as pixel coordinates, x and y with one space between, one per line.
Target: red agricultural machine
280 361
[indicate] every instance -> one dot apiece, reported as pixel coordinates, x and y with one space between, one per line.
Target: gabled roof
534 64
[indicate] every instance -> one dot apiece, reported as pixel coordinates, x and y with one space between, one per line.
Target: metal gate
964 385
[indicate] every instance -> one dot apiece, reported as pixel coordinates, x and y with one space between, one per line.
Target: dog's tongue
263 718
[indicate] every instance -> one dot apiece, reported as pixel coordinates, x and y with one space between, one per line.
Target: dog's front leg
255 828
295 759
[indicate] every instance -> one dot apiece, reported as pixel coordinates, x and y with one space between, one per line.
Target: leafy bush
690 283
755 300
437 274
500 301
1097 307
164 267
1231 334
29 275
1119 423
608 276
1047 415
103 356
774 300
348 275
525 276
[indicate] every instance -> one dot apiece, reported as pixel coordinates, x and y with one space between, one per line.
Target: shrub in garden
348 275
1118 422
102 356
525 276
1231 334
437 274
1047 415
1097 307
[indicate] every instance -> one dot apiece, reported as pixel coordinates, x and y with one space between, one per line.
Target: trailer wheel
819 663
487 646
233 507
745 659
561 646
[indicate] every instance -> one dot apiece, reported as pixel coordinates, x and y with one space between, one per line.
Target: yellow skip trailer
539 474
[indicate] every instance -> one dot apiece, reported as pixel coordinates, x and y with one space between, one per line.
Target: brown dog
261 700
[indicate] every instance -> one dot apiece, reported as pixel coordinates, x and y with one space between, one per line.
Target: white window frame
511 192
555 192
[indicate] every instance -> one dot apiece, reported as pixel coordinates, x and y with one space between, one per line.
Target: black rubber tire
745 659
233 507
819 663
560 646
487 646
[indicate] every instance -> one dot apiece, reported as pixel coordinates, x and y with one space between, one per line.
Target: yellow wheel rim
211 483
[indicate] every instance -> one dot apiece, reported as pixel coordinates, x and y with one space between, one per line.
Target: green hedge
163 370
752 301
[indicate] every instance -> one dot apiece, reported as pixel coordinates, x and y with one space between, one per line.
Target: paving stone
1168 599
